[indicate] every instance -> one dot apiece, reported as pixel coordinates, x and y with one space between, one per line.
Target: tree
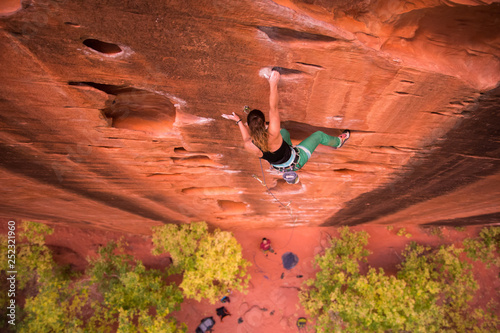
430 293
135 298
130 292
34 258
486 247
211 263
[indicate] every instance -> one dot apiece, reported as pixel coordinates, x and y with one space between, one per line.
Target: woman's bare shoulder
274 142
250 147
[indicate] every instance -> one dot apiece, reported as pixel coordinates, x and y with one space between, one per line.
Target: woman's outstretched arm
245 133
274 115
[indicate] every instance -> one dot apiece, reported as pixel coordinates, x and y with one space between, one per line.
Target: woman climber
273 143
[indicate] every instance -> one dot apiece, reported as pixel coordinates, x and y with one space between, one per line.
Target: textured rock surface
110 111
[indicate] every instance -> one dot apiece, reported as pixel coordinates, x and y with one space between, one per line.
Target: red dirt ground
271 304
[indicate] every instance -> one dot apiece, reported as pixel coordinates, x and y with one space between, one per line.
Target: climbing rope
287 207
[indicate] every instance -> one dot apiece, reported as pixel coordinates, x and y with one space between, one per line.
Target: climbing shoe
343 138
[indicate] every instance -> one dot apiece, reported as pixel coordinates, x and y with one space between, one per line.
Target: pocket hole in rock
180 150
102 47
107 88
142 111
195 161
287 71
135 109
233 207
289 35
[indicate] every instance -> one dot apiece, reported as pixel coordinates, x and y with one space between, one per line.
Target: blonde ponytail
257 124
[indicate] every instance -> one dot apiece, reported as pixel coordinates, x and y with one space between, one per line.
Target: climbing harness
291 163
288 168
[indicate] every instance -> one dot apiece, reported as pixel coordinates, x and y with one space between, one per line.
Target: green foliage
130 291
338 266
149 324
486 248
211 263
422 286
56 308
137 299
486 319
111 263
34 258
180 242
430 293
402 232
446 281
436 231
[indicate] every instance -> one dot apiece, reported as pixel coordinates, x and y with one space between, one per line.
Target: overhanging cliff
110 111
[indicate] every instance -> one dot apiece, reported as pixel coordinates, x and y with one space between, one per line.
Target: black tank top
279 156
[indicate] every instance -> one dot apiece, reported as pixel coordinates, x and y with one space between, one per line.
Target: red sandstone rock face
110 112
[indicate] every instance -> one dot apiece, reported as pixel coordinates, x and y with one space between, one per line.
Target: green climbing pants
308 146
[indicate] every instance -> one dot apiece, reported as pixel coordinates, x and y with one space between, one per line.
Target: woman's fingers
231 116
275 77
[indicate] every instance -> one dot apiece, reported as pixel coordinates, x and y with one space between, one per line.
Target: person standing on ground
272 143
265 246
